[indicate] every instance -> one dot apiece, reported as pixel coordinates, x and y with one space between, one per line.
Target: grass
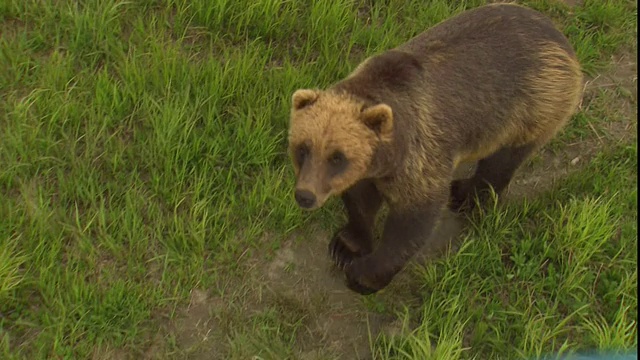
142 156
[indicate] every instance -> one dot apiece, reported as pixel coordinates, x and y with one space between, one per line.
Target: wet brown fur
492 84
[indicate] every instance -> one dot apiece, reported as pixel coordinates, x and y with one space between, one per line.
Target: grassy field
146 198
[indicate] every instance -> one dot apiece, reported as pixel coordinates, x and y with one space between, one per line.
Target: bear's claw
342 249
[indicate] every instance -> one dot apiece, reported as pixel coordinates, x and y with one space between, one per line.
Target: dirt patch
301 279
573 2
12 27
303 270
200 319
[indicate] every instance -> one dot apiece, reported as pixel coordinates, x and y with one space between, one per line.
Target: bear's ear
379 118
303 97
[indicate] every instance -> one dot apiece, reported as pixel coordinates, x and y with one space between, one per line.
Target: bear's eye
301 153
337 160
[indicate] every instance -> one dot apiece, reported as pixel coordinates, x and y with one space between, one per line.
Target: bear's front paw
345 247
366 277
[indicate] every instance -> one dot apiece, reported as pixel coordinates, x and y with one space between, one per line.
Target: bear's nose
305 198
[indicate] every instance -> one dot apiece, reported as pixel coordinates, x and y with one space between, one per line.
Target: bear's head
332 142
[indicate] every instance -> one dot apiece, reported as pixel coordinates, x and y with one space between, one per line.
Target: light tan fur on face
329 122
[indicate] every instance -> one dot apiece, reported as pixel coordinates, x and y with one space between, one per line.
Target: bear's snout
305 198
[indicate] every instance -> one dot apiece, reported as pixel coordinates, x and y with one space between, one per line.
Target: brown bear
492 84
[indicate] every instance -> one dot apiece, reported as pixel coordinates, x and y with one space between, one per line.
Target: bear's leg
494 171
405 232
362 202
